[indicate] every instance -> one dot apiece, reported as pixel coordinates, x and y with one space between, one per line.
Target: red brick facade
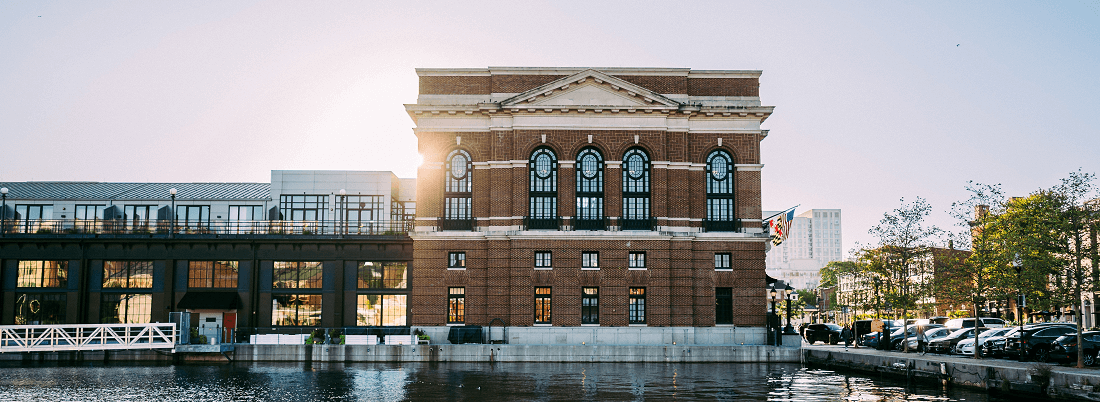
499 277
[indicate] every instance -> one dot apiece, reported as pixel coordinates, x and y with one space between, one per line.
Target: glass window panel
637 305
637 259
296 310
720 190
43 274
297 275
368 310
723 305
128 308
393 310
456 305
542 305
40 309
590 306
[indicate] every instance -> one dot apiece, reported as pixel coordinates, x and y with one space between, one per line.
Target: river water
454 382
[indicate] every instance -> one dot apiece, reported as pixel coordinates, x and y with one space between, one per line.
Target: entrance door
210 325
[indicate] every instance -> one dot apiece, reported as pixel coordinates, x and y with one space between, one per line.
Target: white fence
50 338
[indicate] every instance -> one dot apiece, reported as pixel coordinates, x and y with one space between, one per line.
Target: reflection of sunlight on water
455 381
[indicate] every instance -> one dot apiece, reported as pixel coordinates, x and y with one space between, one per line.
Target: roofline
656 71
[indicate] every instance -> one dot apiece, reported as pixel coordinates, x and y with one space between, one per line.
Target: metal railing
722 226
212 227
542 223
456 224
637 224
591 224
48 338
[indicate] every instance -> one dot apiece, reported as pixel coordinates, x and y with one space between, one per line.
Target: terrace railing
49 338
211 227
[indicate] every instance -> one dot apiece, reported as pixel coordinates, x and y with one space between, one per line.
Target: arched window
457 193
720 201
543 190
636 191
589 191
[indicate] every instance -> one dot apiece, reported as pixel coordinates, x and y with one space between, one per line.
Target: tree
900 265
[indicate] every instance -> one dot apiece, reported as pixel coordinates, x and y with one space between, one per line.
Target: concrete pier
995 375
520 353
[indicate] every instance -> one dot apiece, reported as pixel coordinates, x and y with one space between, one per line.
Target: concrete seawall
519 353
995 375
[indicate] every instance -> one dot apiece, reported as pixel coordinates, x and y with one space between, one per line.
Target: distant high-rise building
814 241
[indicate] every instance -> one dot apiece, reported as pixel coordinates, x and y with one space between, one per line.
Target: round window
458 166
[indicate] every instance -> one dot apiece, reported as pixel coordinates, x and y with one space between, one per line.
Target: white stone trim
544 268
636 269
590 269
613 164
748 167
456 268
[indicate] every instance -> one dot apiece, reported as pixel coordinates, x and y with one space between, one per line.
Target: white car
930 335
966 346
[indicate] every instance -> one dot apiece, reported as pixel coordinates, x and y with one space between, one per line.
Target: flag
781 226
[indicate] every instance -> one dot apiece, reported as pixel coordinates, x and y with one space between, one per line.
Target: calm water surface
454 381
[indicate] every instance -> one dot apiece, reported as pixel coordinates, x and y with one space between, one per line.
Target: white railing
49 338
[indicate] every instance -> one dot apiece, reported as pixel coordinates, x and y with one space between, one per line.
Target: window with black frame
590 260
720 193
637 305
456 305
543 260
722 261
543 191
723 306
297 275
383 275
212 274
637 260
590 214
457 192
192 218
542 305
43 274
125 308
363 214
138 216
456 260
303 207
590 305
128 274
636 177
40 308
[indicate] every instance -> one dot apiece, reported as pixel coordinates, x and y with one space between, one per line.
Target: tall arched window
589 191
457 192
543 190
720 202
636 191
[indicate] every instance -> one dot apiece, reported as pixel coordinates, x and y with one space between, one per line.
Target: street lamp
4 212
773 327
788 330
343 211
172 192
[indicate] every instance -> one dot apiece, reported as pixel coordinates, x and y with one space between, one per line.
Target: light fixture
343 192
172 191
4 190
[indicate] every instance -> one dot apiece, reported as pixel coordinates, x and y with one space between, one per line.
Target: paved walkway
988 361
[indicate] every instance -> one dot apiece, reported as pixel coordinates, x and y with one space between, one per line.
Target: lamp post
774 328
343 211
4 212
172 192
788 330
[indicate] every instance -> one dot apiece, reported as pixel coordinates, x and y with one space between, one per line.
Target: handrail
154 227
49 338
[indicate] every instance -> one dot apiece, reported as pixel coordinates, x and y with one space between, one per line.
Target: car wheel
1042 355
1090 358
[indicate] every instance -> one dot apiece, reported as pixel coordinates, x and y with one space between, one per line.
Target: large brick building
575 196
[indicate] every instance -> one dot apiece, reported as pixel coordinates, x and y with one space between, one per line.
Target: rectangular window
39 309
128 274
192 216
383 275
723 305
722 261
244 218
456 305
125 308
542 305
590 305
637 305
543 259
296 310
212 274
590 260
637 260
303 207
43 274
138 216
363 214
88 212
456 260
297 275
381 310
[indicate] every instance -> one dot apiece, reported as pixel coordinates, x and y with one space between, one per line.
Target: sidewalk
986 361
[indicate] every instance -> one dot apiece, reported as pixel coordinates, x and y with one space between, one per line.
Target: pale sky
875 101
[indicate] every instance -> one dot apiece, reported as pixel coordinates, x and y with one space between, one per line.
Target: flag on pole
781 226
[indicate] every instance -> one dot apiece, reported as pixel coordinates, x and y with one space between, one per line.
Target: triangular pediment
590 88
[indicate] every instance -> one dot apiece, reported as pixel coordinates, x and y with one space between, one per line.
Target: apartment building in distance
814 241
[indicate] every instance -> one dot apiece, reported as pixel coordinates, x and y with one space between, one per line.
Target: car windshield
989 334
961 333
937 333
833 327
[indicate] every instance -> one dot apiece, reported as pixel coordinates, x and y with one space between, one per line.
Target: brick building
575 196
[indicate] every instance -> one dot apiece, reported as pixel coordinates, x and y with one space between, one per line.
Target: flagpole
783 212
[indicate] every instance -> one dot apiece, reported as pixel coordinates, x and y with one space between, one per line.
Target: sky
874 101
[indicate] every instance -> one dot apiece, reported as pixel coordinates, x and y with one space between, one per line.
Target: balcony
213 228
542 223
722 226
637 224
466 224
590 224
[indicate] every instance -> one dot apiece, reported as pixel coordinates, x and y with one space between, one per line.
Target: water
454 382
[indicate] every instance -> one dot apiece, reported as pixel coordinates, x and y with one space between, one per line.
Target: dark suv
947 343
1065 347
1034 342
828 333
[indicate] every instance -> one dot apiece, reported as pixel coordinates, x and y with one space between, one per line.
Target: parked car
939 320
861 328
901 334
995 346
1065 347
987 322
872 339
929 336
966 346
828 333
947 343
1034 342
